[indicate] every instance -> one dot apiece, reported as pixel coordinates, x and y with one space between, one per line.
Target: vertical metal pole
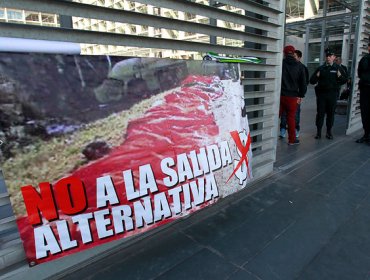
351 99
306 45
349 38
356 41
66 21
323 31
212 22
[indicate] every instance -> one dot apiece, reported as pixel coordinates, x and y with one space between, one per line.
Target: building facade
148 31
315 25
45 19
28 17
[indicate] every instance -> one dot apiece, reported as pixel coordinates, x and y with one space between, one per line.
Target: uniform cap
289 50
329 52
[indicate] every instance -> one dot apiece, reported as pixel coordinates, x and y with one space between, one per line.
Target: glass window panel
14 15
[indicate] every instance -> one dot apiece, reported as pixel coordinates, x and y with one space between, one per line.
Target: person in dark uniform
363 72
328 78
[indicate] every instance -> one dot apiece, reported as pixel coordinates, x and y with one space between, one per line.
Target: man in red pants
293 86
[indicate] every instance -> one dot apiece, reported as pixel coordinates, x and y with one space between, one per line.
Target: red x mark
243 149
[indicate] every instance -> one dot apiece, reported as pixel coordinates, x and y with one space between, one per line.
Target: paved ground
309 220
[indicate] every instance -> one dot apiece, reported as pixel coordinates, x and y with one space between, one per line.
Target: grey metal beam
211 12
260 119
7 223
259 132
4 199
257 94
266 141
256 81
104 38
255 7
318 20
95 12
257 67
253 108
344 4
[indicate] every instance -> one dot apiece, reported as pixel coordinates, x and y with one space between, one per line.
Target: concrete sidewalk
309 220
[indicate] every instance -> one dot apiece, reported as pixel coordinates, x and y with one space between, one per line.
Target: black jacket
344 69
363 70
328 80
307 75
293 78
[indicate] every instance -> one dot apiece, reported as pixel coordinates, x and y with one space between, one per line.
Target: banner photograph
98 148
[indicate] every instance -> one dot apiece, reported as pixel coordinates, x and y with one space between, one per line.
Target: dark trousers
326 103
288 105
365 108
283 119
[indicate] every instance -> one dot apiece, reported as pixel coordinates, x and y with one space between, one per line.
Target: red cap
289 50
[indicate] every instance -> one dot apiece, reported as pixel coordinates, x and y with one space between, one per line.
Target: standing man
283 120
344 91
328 78
363 72
338 61
293 86
298 57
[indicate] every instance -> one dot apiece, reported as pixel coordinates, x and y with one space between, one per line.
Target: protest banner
99 148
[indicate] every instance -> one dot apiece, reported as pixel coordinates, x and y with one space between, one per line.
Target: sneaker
282 132
296 142
296 133
363 139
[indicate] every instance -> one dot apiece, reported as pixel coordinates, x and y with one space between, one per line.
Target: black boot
363 139
318 134
329 135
